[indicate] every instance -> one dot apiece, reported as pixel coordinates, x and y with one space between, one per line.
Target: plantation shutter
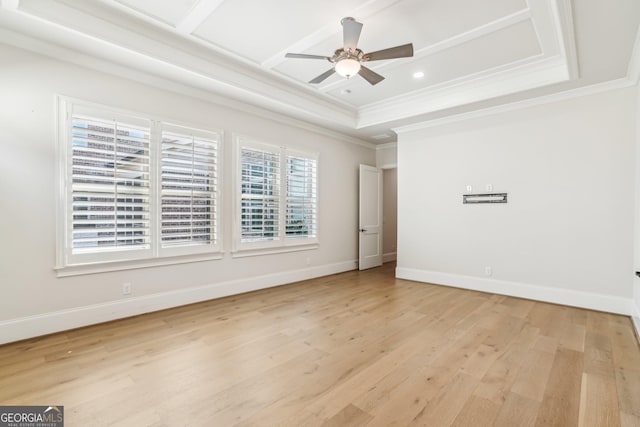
260 194
110 184
301 199
189 182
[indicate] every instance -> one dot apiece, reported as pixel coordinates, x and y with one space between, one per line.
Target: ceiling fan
348 59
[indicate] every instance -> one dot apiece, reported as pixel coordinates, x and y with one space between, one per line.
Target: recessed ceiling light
418 74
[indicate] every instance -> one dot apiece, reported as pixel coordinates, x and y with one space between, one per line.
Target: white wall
34 301
387 156
390 214
566 233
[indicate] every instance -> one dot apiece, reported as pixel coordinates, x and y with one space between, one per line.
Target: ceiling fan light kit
348 59
347 67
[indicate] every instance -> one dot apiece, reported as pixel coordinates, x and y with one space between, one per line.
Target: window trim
282 244
66 264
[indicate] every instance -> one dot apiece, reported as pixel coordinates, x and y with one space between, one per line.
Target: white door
370 218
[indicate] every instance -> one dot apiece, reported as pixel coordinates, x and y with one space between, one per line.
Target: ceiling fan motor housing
348 58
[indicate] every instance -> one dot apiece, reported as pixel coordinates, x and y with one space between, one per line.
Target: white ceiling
473 54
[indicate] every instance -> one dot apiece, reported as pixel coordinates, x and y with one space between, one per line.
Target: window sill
104 267
243 253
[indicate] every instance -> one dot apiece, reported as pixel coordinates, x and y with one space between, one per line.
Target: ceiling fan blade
404 51
350 33
305 56
322 77
370 75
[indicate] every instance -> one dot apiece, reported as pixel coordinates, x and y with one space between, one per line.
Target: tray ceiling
469 52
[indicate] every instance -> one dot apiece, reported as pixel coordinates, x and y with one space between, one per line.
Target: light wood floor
359 348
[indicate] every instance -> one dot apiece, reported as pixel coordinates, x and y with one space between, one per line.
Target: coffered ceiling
470 54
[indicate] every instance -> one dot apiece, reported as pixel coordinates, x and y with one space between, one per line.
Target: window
301 198
277 192
109 194
188 192
133 188
260 190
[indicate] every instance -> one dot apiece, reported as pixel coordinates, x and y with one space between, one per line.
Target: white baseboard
635 319
569 297
389 256
47 323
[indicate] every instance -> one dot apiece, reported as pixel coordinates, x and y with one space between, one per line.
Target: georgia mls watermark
31 416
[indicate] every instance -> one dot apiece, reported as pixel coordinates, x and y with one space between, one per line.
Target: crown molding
180 61
98 36
504 80
56 52
519 105
387 146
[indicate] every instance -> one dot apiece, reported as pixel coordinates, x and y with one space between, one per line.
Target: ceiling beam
563 16
197 15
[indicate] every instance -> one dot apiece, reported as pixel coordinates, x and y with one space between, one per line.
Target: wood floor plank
533 376
518 307
443 408
561 403
403 356
499 379
597 323
546 344
628 420
598 355
477 412
348 416
624 345
572 337
401 404
518 411
548 318
628 385
372 396
358 348
479 362
598 402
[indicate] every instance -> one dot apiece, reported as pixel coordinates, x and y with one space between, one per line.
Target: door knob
362 230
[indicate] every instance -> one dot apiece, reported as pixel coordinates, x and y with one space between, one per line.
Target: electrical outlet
489 188
126 289
469 189
487 271
308 261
